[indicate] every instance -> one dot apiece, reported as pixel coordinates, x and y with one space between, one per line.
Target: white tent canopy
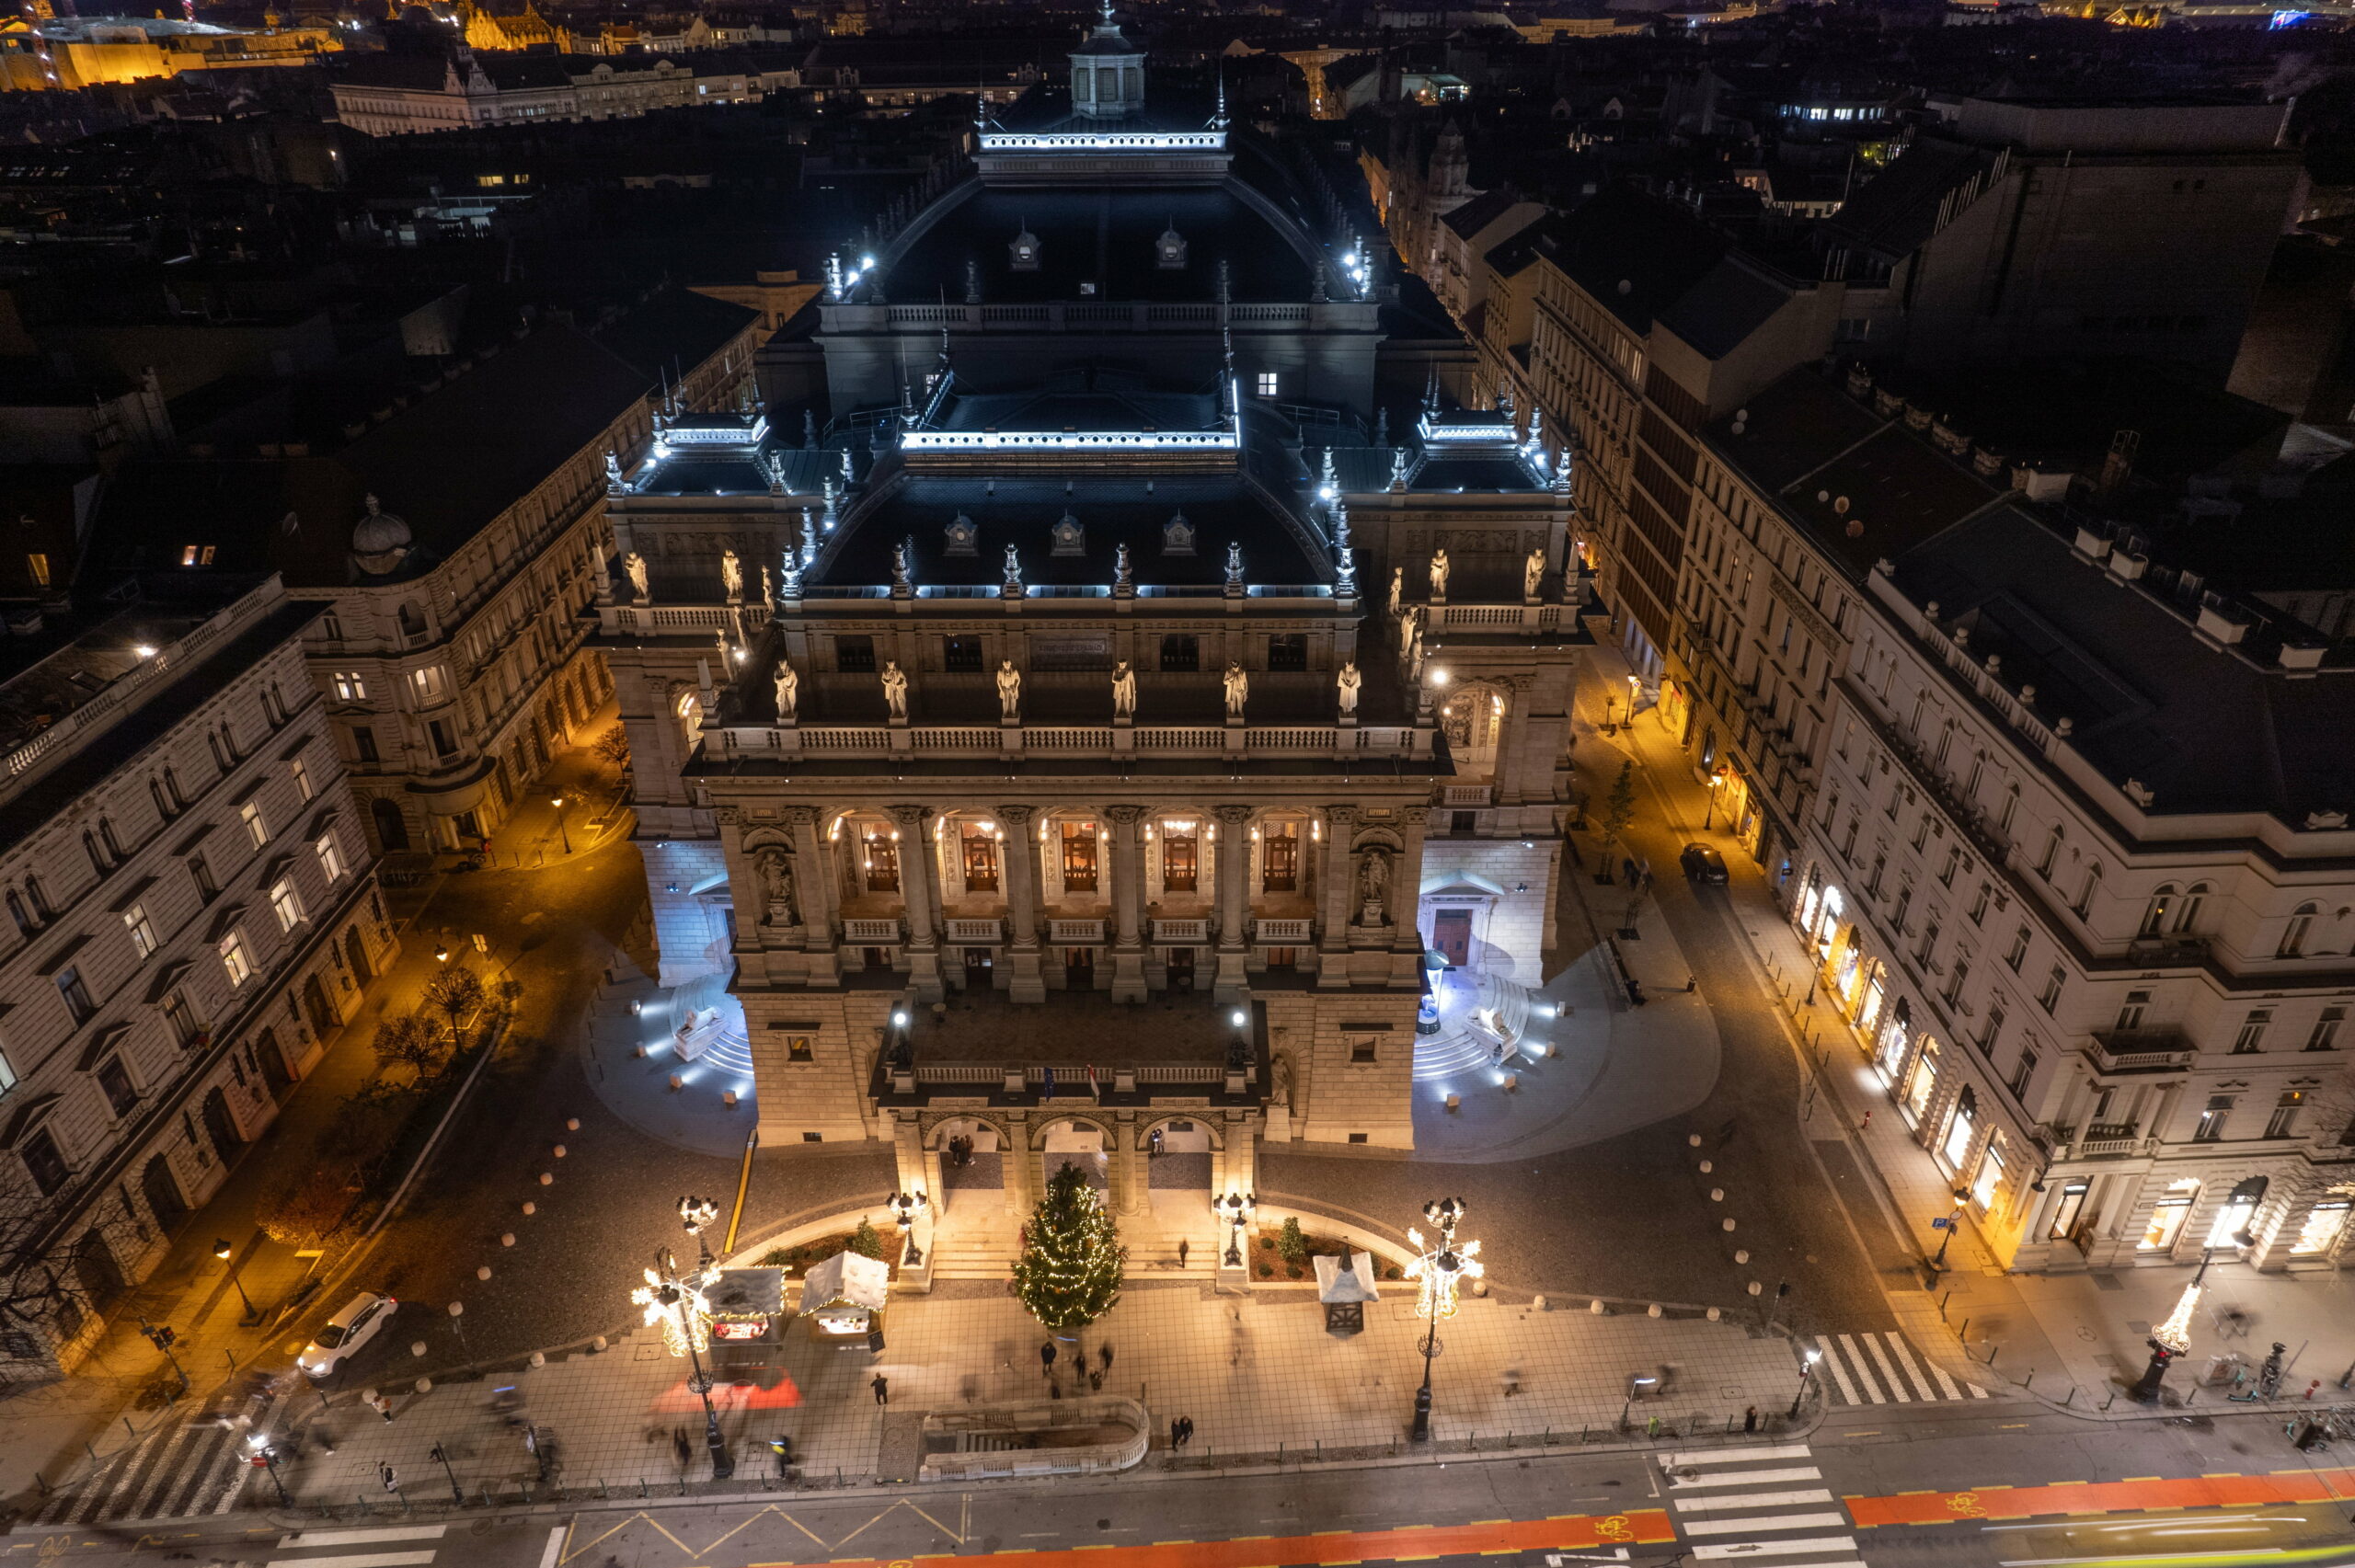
846 1277
1335 1284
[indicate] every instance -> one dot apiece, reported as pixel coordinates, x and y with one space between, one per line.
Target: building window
2022 1074
1288 650
1991 1172
1079 857
233 960
2284 1120
349 686
363 742
76 994
46 1164
331 857
2325 1035
181 1019
285 904
2018 954
1180 652
114 1081
2052 856
2049 997
2211 1128
1268 382
854 656
196 554
1994 1029
880 860
1962 1128
2129 1016
2294 935
37 564
2065 1212
980 860
1179 859
2252 1035
2168 1216
201 875
303 780
2325 1223
256 829
1362 1052
143 931
962 654
444 744
1280 869
1923 1081
428 683
1978 904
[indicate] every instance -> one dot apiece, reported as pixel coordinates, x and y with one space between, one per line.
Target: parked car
350 1329
1702 864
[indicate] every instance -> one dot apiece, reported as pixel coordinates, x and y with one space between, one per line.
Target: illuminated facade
1065 735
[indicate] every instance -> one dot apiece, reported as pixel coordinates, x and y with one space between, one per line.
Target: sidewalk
2071 1340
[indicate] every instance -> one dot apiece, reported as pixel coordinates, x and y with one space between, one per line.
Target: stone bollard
1652 1311
559 1152
572 1124
1716 1195
548 1178
425 1385
1707 1166
531 1207
1741 1254
416 1347
1597 1307
539 1358
1538 1303
598 1343
1727 1226
483 1272
506 1238
1693 1141
1713 1314
1755 1288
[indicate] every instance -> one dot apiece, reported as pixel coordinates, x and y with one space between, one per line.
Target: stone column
1233 902
1333 893
1021 855
919 877
1405 906
1128 902
1128 1178
818 889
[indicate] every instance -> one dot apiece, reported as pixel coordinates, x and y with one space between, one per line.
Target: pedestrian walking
1186 1424
1153 1145
1096 1383
882 1387
1104 1353
1865 1124
680 1446
1176 1434
1182 1245
1046 1358
1750 1419
381 1406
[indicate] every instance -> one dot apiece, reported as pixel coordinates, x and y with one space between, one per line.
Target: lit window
428 683
38 566
331 857
1990 1174
256 829
2324 1224
2168 1216
1268 382
233 960
2211 1128
1960 1130
76 995
303 780
349 686
2284 1123
143 933
286 904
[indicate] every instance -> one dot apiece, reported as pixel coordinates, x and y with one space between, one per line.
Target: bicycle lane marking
2104 1497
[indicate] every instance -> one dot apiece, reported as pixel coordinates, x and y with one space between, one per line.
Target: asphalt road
1466 1510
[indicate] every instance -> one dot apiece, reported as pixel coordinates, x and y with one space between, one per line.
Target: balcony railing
2143 1050
1075 930
1466 795
1285 931
978 740
870 930
1181 931
973 930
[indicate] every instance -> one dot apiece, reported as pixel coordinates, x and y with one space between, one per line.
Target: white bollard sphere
483 1272
559 1152
1713 1314
506 1238
1596 1307
425 1385
539 1359
1741 1255
572 1124
416 1347
1693 1141
1755 1288
598 1343
530 1208
1652 1311
1716 1195
548 1178
1727 1227
1707 1166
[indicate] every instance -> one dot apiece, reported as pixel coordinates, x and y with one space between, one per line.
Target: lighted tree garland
1069 1273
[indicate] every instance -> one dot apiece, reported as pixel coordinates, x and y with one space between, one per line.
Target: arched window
42 906
163 801
26 924
2294 935
2051 859
2155 915
2086 894
2187 914
2011 809
106 836
90 847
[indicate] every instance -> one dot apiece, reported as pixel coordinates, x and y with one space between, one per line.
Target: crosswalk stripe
1737 1456
302 1538
1945 1383
1775 1548
1767 1522
356 1560
1746 1477
136 1473
1863 1371
206 1449
1905 1360
1839 1373
1895 1384
1750 1500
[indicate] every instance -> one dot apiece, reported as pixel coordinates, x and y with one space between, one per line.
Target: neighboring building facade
1067 677
67 54
2075 866
397 95
191 911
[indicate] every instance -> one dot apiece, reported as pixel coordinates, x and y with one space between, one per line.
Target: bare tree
56 1274
409 1041
455 990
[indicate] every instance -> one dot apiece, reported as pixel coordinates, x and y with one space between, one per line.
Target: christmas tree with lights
1069 1273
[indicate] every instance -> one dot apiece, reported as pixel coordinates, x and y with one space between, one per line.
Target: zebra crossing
1766 1502
179 1471
383 1546
1884 1369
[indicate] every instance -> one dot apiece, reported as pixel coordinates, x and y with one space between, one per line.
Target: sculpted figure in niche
895 692
776 886
1239 687
1373 884
788 691
1009 691
1348 681
1439 575
1398 588
634 565
731 574
1533 572
1124 690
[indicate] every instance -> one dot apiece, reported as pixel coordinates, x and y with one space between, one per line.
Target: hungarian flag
1094 1087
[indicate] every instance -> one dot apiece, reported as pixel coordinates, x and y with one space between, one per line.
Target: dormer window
1024 252
1070 538
962 536
1177 535
1169 250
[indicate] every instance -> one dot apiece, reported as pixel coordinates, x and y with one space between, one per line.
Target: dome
381 541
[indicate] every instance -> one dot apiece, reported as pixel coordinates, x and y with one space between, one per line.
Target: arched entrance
162 1191
315 999
392 830
355 953
1180 1154
972 1154
222 1127
273 1062
1070 1141
101 1277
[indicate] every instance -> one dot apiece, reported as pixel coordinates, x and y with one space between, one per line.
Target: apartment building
2074 868
191 912
454 543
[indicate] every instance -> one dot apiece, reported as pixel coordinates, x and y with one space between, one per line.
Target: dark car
1702 864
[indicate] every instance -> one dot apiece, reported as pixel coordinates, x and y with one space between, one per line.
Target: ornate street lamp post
676 1302
1234 1211
1440 1270
907 1207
